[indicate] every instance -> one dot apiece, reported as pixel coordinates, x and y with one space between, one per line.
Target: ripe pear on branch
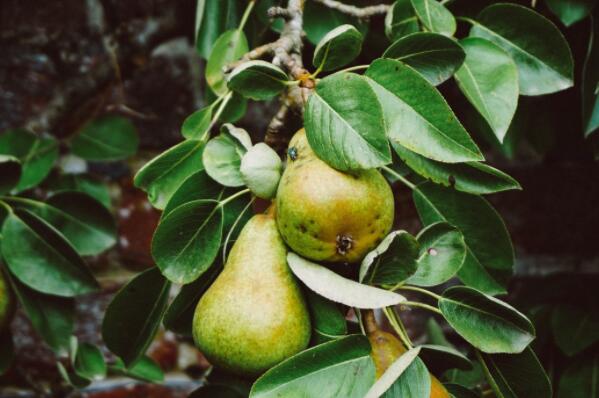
328 215
254 315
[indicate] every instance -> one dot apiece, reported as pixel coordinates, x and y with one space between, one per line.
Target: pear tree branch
358 12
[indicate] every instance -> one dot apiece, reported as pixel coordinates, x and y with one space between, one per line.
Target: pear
6 302
254 315
327 215
386 348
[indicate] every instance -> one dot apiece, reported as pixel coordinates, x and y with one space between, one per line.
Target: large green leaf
442 253
440 358
87 359
134 315
391 384
83 221
401 20
489 252
230 46
414 382
339 289
36 154
10 173
435 17
489 79
517 375
574 328
471 177
259 80
581 379
222 160
179 315
164 174
196 126
340 368
52 317
393 261
187 240
145 369
435 56
85 183
537 46
261 169
344 123
105 139
417 116
197 186
570 11
213 17
590 82
40 256
337 48
320 19
486 322
328 321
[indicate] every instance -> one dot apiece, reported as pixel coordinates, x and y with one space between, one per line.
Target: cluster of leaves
51 218
391 117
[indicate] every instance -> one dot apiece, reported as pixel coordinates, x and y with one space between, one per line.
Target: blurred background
68 63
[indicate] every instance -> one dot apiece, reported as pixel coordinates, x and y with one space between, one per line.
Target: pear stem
397 326
419 290
421 305
370 321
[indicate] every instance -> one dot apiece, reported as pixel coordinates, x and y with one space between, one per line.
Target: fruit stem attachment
419 290
233 197
370 321
401 178
397 326
421 305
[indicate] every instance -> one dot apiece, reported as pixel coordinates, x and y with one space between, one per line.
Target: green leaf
442 253
186 241
52 317
137 309
40 257
519 375
344 123
261 170
179 315
7 354
88 360
145 369
435 56
570 11
105 139
320 19
164 174
489 252
489 79
10 173
339 289
197 186
81 183
574 328
439 358
435 17
234 110
258 80
434 333
213 17
487 323
391 383
470 177
222 160
340 368
417 116
393 261
72 378
401 20
36 154
229 47
414 382
581 379
459 391
196 126
337 48
590 82
82 220
328 321
537 46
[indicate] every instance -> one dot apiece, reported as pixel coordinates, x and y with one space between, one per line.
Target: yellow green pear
6 302
327 215
254 315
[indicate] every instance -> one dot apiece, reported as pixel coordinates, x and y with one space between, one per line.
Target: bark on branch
358 12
